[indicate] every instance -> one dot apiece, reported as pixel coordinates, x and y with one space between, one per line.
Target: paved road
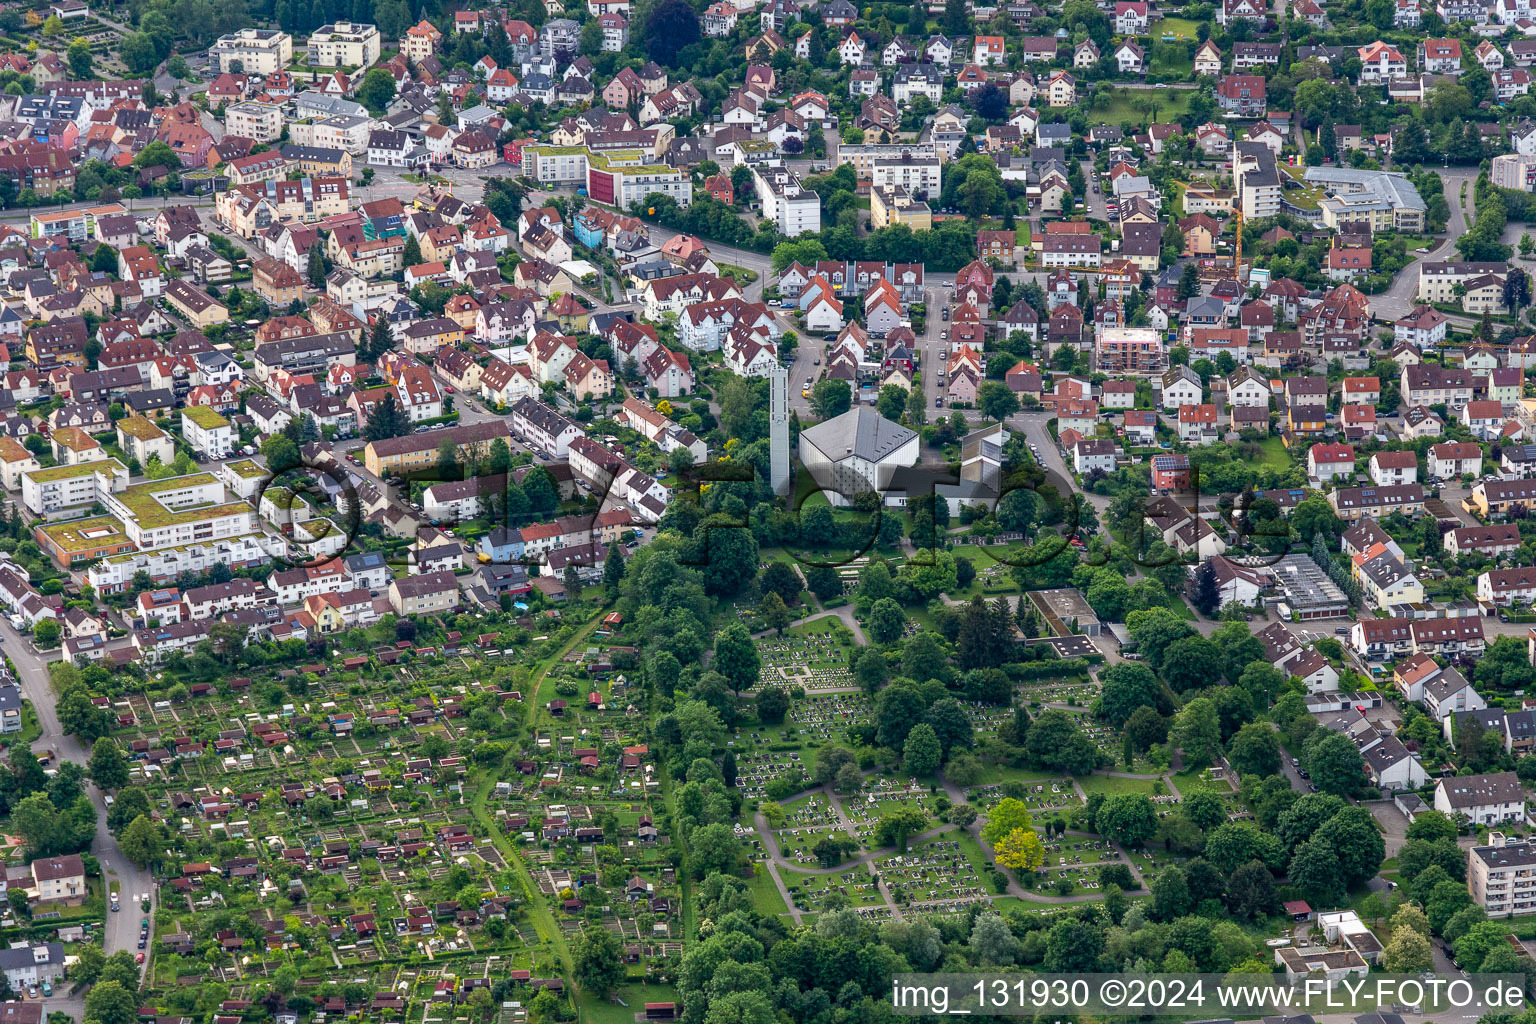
1097 210
122 928
1399 299
1050 457
843 612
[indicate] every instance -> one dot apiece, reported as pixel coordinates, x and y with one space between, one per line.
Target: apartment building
209 433
1438 280
113 574
1492 799
397 456
544 428
791 207
262 122
427 594
622 178
1257 178
179 510
1502 876
56 490
252 51
343 44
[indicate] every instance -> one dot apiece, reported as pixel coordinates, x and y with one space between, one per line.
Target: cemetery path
860 860
845 612
776 861
771 848
1143 776
957 795
837 809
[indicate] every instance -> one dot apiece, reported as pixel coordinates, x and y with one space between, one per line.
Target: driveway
1394 824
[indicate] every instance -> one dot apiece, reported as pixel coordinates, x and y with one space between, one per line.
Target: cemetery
812 655
935 875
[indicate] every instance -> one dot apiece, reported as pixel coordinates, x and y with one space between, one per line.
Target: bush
1020 670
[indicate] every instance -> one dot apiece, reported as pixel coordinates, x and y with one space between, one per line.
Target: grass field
1275 453
995 774
765 895
1116 105
972 850
1110 786
1178 28
598 1011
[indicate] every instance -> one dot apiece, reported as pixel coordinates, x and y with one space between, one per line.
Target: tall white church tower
778 429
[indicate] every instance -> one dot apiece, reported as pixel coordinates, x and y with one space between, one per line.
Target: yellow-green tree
1008 816
1021 850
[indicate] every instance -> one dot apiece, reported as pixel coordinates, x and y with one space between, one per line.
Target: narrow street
1399 299
122 928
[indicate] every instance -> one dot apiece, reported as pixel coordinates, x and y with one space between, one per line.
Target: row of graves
854 887
881 795
813 656
851 569
814 720
986 719
1039 795
768 753
935 876
1074 692
807 820
1076 859
1110 743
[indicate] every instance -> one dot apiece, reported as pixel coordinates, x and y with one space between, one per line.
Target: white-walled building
856 452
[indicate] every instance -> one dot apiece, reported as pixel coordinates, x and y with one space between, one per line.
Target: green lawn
980 864
1003 904
597 1011
1112 786
1178 28
1116 106
1181 608
765 895
1275 453
996 774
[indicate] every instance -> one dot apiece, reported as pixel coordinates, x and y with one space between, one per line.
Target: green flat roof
204 417
149 512
85 534
52 473
247 469
139 427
